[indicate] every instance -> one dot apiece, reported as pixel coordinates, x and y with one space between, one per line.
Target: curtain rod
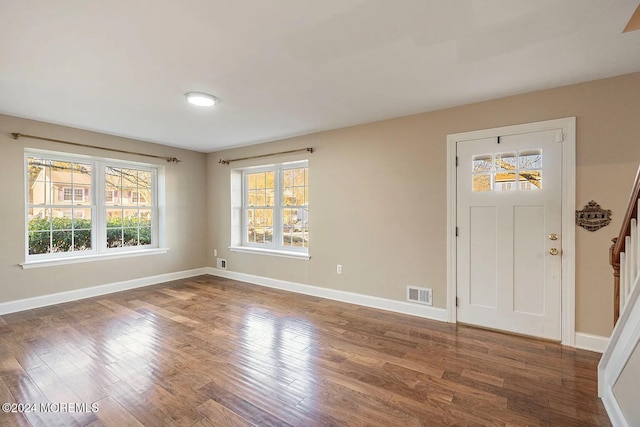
16 135
226 162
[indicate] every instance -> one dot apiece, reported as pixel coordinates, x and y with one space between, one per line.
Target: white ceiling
289 67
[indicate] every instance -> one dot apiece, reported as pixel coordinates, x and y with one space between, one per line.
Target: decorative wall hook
592 217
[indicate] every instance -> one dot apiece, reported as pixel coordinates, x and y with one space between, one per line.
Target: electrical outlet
215 252
339 269
221 263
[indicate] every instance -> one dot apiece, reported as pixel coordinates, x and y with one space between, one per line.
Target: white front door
509 216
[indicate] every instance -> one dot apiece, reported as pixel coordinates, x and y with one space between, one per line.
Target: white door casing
516 308
508 204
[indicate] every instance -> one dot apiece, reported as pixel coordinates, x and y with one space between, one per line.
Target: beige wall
185 207
378 194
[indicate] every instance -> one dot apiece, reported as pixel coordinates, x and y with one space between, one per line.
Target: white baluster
627 282
623 274
631 254
637 247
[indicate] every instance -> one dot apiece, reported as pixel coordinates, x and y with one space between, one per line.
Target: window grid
507 171
63 218
129 220
275 207
55 223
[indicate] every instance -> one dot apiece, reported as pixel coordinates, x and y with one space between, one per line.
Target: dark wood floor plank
209 351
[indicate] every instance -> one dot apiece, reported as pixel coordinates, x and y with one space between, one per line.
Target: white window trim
98 250
87 258
239 199
268 251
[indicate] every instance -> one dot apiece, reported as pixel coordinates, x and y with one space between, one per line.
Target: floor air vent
419 295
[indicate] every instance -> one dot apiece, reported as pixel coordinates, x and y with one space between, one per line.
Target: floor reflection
280 351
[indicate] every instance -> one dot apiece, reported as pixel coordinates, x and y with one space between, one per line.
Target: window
129 224
137 196
503 171
65 219
70 194
273 208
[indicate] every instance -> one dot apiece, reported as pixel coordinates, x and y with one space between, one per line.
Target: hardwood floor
209 351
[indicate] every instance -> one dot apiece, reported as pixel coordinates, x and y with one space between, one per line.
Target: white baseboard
613 409
57 298
590 342
403 307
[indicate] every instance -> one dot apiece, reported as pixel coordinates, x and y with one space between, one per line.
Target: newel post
615 263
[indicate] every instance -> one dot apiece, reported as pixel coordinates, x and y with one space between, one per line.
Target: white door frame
568 126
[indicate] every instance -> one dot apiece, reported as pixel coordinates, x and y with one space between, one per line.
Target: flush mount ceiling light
201 99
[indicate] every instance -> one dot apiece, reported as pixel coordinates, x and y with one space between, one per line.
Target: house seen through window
276 207
86 206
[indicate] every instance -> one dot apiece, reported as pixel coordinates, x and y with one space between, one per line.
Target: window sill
273 252
88 258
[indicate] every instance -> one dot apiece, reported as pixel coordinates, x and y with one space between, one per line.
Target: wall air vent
419 295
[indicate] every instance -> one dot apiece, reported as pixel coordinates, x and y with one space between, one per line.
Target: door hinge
560 137
456 301
456 161
456 231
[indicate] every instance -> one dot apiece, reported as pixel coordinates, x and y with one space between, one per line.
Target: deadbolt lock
553 251
553 236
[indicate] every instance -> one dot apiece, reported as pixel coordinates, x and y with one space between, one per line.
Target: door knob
553 251
553 236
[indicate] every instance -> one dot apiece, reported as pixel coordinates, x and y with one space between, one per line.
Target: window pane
113 178
144 180
252 197
299 198
260 198
530 180
287 177
270 180
81 219
505 181
82 240
145 217
39 243
114 217
505 161
145 235
482 182
259 181
130 217
61 172
530 159
270 199
62 219
482 163
39 219
130 236
61 241
114 237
